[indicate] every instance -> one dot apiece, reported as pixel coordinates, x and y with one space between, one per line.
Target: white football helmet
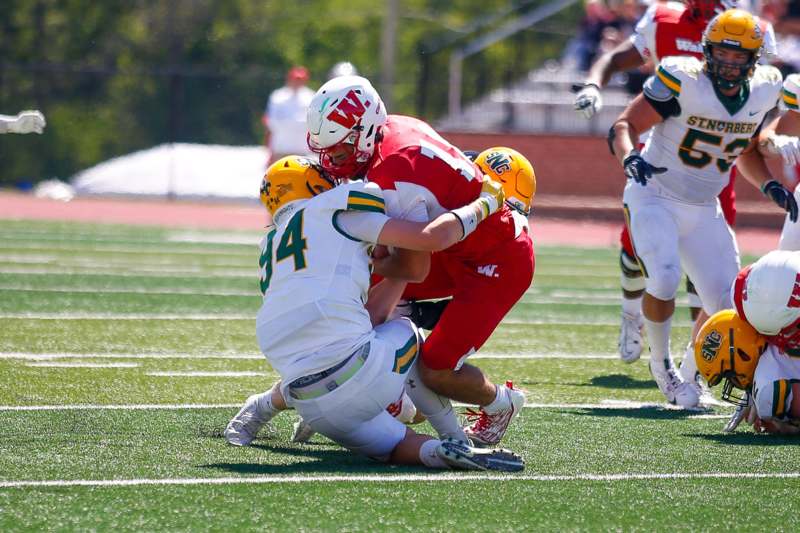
767 295
344 122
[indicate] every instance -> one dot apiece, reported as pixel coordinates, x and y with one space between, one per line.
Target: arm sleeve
359 225
789 92
661 97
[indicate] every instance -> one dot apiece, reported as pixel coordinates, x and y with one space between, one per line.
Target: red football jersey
413 163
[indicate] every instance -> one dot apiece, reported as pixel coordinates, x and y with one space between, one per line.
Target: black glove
781 196
640 170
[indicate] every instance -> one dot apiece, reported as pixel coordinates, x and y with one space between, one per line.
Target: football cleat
460 455
630 338
244 427
672 387
302 432
487 429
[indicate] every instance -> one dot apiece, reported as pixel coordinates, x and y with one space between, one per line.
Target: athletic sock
437 409
500 403
264 405
632 306
658 337
428 455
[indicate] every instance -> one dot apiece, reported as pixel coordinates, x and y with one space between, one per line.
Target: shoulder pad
791 89
674 71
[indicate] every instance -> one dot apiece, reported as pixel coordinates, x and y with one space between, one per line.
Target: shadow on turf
651 413
328 461
621 381
746 438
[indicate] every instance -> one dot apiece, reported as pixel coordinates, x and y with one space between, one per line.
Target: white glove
27 122
588 101
786 146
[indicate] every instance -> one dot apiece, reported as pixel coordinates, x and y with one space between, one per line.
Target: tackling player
756 348
704 114
486 273
666 29
23 122
338 372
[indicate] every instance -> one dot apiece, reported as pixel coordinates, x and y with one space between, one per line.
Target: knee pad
632 278
663 281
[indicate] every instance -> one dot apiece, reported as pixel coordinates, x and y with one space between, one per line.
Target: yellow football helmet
728 348
735 29
514 172
292 178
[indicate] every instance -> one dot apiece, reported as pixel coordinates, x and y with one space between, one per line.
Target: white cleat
458 454
302 432
487 429
676 391
630 337
689 374
244 427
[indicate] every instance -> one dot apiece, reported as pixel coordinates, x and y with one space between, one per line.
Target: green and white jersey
700 144
315 279
791 88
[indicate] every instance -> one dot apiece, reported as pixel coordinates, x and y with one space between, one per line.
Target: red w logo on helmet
794 299
349 110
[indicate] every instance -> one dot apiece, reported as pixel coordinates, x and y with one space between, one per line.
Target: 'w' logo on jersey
685 45
488 271
794 299
349 110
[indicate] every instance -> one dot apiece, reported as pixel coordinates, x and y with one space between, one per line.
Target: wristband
469 219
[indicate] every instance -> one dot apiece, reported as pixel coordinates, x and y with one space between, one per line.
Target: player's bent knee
663 282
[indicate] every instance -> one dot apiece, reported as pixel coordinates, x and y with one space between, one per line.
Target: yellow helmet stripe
672 83
790 99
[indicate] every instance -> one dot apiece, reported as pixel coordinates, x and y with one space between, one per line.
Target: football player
23 122
666 29
486 273
781 138
704 114
730 350
336 370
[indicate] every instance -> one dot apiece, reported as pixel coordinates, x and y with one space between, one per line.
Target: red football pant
483 292
727 200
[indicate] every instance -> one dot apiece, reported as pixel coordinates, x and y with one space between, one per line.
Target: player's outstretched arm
752 166
780 137
638 117
446 229
624 57
23 122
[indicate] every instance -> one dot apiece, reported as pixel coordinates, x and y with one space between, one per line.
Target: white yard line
377 478
128 407
133 290
125 316
253 356
83 365
204 374
603 404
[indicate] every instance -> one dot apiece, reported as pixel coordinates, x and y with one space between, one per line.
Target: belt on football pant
315 385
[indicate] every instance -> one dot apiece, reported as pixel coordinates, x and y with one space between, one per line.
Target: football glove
639 170
781 196
28 122
786 146
492 191
588 101
742 410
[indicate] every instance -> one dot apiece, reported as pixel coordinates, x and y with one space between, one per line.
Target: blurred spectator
785 17
342 68
606 24
285 116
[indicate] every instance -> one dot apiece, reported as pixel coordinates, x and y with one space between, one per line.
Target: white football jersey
699 146
315 280
775 374
791 88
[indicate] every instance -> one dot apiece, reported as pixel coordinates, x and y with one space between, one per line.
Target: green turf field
124 352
